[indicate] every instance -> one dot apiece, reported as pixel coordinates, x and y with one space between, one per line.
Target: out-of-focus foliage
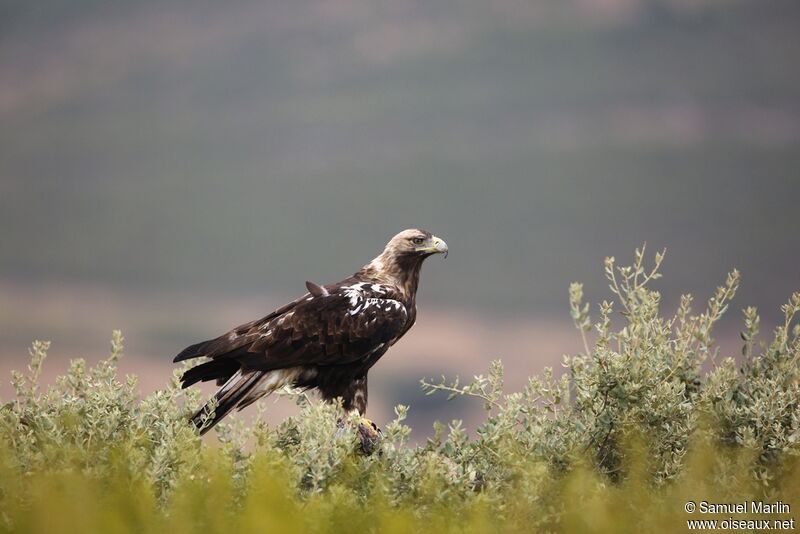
619 442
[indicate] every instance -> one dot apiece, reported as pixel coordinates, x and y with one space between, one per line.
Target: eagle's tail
195 351
220 370
239 389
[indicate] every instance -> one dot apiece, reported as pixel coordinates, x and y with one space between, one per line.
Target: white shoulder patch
353 294
382 304
359 303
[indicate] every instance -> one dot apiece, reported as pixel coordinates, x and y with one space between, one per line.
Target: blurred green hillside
252 145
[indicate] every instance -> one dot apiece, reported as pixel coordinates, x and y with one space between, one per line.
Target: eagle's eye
417 240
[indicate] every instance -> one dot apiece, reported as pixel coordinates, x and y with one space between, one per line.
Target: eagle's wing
340 326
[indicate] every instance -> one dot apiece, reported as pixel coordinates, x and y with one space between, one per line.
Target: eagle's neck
401 271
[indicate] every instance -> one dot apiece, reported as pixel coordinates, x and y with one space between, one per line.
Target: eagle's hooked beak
436 245
439 246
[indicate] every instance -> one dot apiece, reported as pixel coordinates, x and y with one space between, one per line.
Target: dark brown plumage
327 339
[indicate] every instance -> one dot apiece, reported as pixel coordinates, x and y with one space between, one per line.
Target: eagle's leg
355 400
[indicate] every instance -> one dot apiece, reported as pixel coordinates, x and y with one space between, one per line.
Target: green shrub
629 432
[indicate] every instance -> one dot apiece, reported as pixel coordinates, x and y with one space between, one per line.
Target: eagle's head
401 259
414 243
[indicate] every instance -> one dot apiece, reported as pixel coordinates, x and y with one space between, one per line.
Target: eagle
327 339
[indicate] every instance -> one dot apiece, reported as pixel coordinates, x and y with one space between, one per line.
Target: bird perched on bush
327 339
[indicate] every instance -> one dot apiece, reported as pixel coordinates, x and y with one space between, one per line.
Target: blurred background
176 168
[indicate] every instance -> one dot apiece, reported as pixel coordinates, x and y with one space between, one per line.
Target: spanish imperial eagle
327 339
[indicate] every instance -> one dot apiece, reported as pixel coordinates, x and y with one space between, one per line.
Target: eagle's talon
369 424
369 435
